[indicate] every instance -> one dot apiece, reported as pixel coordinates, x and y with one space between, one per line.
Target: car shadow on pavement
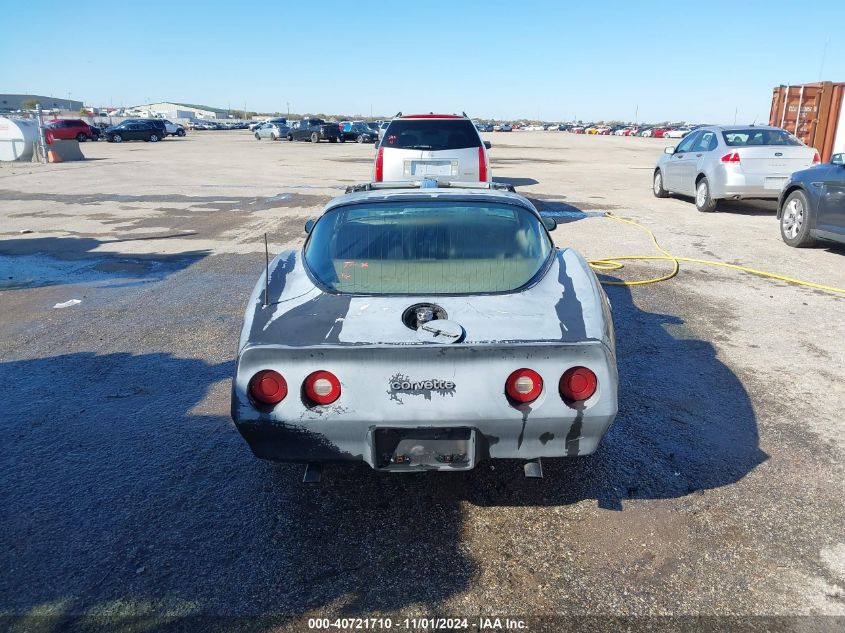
49 261
685 423
515 182
129 500
562 212
738 207
127 491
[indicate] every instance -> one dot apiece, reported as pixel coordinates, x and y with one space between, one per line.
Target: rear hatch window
431 134
756 137
424 247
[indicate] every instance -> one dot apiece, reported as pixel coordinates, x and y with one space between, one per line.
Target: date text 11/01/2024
418 624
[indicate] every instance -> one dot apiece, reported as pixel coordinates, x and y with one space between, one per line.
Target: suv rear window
431 134
424 247
752 137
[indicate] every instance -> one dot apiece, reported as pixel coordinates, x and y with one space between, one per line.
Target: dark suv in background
158 124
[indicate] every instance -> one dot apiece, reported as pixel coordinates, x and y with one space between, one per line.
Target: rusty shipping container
812 112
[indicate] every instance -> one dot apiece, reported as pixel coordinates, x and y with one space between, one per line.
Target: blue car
811 206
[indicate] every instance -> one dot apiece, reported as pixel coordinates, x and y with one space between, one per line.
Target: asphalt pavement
130 502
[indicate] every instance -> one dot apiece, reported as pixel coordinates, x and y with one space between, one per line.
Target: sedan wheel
257 138
153 138
81 137
272 137
315 138
360 138
657 186
117 138
703 200
794 221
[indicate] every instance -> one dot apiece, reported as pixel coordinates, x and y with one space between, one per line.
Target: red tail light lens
268 387
322 387
816 159
733 157
577 384
524 385
482 165
380 165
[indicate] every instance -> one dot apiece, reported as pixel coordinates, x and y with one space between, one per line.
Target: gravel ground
127 491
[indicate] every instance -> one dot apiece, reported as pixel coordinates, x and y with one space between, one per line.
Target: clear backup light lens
524 385
577 384
268 387
322 387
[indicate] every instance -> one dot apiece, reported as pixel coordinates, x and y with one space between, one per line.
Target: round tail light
268 387
577 383
524 385
322 387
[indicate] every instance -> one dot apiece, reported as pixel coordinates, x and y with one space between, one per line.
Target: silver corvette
426 326
715 163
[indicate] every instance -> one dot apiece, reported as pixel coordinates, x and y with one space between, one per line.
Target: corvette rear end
392 340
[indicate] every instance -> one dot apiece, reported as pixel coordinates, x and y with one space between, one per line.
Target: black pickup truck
314 130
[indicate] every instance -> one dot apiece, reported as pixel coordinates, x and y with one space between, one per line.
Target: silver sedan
273 131
730 162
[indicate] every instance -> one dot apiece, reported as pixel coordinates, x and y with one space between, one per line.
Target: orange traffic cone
53 156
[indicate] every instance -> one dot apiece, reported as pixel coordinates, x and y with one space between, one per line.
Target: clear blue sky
602 59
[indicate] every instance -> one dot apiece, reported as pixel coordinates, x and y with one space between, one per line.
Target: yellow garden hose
614 263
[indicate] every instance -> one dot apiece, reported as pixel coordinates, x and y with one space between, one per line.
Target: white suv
442 146
174 129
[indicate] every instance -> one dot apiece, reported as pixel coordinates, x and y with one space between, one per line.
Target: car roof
432 115
730 128
453 193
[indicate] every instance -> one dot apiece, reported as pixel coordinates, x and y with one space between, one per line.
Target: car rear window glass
755 137
424 247
431 134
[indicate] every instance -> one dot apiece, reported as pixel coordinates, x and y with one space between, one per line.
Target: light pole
287 103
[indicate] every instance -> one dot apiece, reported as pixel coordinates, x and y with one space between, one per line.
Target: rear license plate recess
424 448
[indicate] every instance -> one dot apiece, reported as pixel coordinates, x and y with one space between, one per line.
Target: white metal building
173 111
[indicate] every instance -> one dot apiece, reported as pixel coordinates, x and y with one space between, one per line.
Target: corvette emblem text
409 385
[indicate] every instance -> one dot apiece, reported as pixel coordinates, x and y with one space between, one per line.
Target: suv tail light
577 384
524 385
817 159
380 164
322 387
268 387
482 165
733 157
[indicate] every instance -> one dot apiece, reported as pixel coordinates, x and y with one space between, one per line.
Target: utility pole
824 54
636 113
287 103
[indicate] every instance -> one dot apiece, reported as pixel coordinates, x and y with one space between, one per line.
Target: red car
659 132
69 129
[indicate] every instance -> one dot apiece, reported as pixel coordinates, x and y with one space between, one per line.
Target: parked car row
717 163
315 130
129 130
219 125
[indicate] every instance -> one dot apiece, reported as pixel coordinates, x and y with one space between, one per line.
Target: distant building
10 103
170 110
